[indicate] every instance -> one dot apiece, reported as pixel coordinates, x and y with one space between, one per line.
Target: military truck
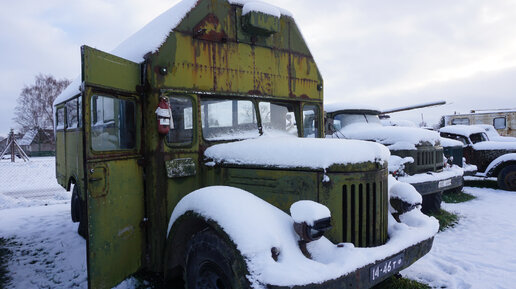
188 145
492 158
417 153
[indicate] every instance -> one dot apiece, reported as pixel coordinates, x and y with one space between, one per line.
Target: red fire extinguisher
164 116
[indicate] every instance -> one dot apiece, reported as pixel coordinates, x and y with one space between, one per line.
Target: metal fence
30 183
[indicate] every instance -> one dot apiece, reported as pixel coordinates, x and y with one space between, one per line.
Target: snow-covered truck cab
417 156
199 133
492 158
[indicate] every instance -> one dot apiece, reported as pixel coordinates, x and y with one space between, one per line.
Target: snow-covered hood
292 152
495 145
395 137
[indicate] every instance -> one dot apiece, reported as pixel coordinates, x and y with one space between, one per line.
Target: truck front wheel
211 263
507 178
432 203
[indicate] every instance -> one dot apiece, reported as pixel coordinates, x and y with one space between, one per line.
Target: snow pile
306 211
258 226
464 130
292 152
404 191
396 136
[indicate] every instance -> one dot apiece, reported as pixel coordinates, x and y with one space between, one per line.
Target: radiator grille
429 157
365 213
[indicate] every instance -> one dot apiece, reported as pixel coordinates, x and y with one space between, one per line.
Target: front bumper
433 182
361 278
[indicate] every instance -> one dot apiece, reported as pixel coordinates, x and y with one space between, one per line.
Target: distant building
38 142
35 142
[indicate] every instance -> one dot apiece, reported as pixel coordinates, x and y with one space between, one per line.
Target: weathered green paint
116 238
108 71
113 179
277 65
183 167
257 23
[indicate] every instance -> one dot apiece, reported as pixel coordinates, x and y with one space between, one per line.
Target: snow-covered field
479 252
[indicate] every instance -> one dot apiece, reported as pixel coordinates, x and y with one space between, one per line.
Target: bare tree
34 108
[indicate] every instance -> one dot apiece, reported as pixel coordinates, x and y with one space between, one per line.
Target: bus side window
464 121
113 124
60 120
499 123
72 114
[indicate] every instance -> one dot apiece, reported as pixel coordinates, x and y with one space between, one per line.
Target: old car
492 158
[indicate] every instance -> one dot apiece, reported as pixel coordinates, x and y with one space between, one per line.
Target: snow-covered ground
480 251
48 253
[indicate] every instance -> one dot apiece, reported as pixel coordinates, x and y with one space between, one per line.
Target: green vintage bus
211 73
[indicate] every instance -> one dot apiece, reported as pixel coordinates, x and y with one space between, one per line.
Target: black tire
432 203
75 204
507 178
78 211
212 263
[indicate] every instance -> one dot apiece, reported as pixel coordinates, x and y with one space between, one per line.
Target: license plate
444 183
386 267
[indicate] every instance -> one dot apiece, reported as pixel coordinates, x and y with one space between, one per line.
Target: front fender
499 163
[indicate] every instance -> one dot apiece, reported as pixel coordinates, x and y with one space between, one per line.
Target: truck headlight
309 233
311 220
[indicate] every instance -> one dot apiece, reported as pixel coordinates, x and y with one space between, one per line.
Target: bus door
113 174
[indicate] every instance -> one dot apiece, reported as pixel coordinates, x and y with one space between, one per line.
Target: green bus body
128 189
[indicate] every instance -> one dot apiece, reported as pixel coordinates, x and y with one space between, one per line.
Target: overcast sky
383 53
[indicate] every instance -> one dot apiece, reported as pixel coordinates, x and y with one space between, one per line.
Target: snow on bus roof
336 106
465 130
155 33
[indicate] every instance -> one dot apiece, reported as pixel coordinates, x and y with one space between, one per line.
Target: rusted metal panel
279 65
